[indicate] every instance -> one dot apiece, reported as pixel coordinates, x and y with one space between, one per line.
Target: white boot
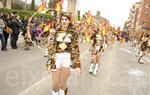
61 92
140 60
96 69
94 72
91 68
46 53
138 53
55 93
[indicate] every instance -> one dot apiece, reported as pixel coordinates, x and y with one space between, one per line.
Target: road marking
147 59
126 50
136 72
26 91
134 59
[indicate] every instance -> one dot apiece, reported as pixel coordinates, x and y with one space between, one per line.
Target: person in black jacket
2 26
16 25
7 22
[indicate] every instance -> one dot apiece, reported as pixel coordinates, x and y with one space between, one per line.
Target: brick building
131 23
139 16
143 18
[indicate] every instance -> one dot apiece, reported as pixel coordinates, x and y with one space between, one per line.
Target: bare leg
65 73
96 65
98 59
56 80
142 57
93 61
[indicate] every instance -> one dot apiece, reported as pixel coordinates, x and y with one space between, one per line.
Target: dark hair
15 12
4 17
147 35
66 15
94 40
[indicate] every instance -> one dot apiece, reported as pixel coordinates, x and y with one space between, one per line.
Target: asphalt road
23 73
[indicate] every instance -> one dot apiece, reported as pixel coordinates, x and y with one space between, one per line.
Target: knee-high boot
55 93
61 92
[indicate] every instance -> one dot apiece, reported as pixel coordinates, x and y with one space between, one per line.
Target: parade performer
112 39
64 54
96 50
27 41
139 42
121 40
144 48
25 35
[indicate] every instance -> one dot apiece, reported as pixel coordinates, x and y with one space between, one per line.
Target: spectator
2 25
16 25
33 32
1 14
25 24
7 30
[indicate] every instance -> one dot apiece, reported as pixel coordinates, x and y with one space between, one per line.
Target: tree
17 4
72 6
33 5
52 3
4 3
25 4
12 2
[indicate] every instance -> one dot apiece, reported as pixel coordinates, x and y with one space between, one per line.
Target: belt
62 51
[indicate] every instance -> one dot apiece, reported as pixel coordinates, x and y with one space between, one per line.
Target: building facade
132 19
143 18
102 21
139 16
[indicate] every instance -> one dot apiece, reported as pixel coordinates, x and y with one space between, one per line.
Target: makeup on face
64 20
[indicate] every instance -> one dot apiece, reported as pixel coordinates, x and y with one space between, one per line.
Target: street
23 73
33 29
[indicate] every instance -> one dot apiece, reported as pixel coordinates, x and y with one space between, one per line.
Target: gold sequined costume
71 47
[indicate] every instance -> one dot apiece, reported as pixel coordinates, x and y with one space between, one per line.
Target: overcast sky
116 11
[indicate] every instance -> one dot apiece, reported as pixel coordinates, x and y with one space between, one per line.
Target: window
147 6
146 22
146 14
143 22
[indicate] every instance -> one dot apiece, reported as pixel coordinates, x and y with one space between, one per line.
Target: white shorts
63 60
